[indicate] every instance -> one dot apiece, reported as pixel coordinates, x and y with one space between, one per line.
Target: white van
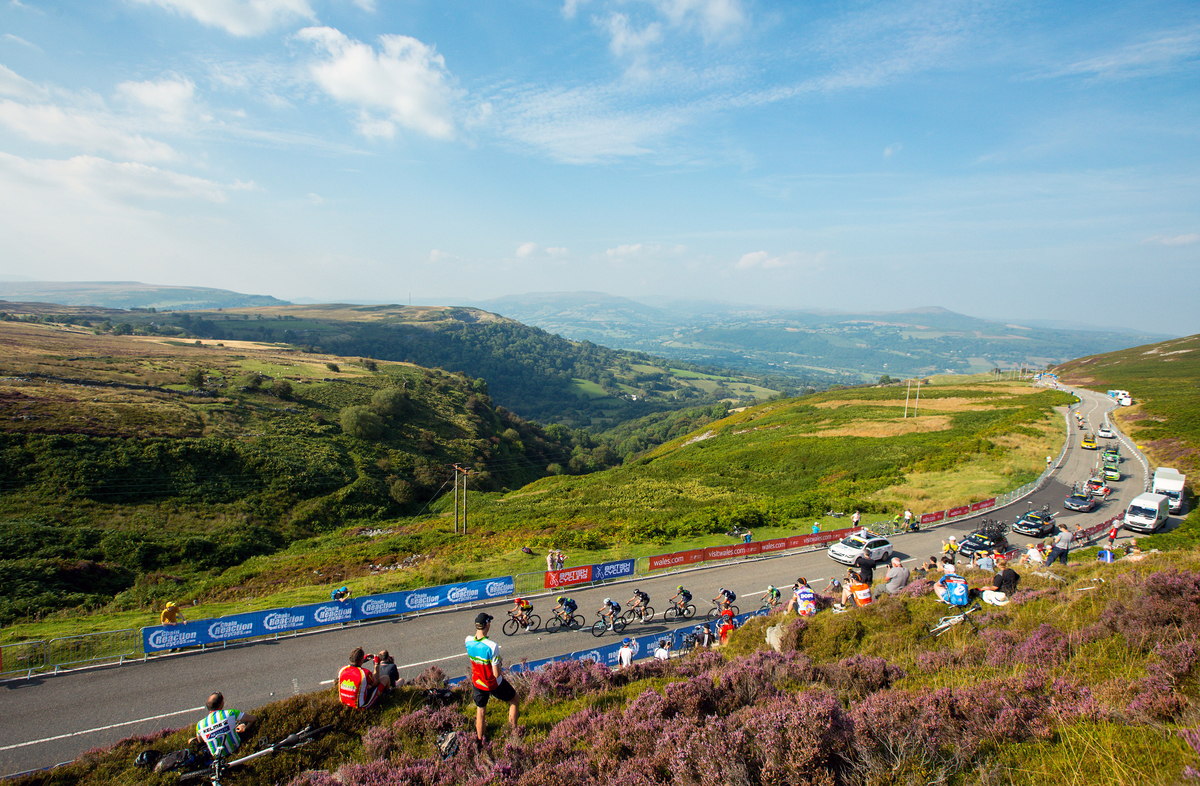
1147 512
1169 483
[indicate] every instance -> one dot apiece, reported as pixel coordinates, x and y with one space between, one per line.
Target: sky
1010 160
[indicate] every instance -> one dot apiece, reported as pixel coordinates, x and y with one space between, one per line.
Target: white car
851 547
1105 432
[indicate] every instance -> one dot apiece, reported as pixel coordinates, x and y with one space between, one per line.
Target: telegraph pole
907 390
917 405
455 499
459 471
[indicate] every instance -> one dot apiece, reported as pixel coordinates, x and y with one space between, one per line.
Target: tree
253 380
402 491
333 367
885 380
370 365
195 377
389 402
361 422
282 389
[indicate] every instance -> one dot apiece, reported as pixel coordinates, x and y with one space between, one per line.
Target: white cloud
1177 240
624 40
366 5
107 180
407 81
315 199
892 150
442 256
83 130
761 259
716 18
526 250
171 97
239 17
556 251
624 251
571 7
16 39
13 84
1164 52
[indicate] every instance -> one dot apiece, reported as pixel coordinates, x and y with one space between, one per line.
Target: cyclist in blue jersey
725 598
682 597
567 606
221 729
609 611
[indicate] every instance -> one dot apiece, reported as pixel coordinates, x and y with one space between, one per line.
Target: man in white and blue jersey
221 729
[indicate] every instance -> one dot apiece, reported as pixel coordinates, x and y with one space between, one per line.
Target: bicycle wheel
619 625
713 613
534 622
510 626
671 613
689 611
626 617
554 623
736 611
576 621
648 614
598 628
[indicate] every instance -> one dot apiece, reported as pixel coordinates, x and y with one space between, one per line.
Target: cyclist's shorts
504 692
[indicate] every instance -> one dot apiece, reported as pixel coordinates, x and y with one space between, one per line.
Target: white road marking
99 728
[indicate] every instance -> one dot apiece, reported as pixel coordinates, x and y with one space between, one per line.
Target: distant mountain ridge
130 294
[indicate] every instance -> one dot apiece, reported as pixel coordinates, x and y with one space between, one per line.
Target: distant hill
835 347
130 294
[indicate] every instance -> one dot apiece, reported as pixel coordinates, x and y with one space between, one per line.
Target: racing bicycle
216 769
513 623
560 620
678 610
719 608
641 613
951 620
598 628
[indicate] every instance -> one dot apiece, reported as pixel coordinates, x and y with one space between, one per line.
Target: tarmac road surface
52 719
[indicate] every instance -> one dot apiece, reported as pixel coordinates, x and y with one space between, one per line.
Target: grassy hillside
140 465
1090 679
1164 382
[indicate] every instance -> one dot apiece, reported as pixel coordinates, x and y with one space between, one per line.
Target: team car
850 548
1096 487
987 540
1080 502
1105 432
1089 442
1035 524
1111 472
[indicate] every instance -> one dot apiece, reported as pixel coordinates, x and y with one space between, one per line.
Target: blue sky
1001 159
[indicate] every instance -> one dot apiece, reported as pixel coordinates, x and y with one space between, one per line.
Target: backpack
175 760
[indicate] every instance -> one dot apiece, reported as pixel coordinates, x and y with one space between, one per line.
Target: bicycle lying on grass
216 769
950 620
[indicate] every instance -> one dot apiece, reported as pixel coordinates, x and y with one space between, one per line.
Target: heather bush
568 679
838 636
937 660
796 739
859 675
917 588
432 677
1175 660
1021 597
700 662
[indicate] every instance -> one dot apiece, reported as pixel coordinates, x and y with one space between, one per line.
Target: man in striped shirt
486 677
221 728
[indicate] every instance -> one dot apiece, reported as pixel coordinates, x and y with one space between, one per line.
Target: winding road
52 719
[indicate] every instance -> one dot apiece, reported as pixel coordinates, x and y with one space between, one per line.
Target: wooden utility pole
907 390
460 472
917 405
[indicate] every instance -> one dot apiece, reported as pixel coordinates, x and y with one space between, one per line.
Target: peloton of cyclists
640 600
609 611
522 608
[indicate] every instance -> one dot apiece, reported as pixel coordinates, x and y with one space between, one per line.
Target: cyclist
566 607
772 595
640 600
725 598
521 610
681 598
220 728
609 611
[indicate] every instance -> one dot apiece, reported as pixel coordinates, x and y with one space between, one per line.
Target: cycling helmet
562 598
679 588
696 629
148 758
720 590
607 601
770 588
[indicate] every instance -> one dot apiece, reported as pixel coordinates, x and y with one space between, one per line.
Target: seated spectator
895 579
664 650
983 561
804 600
357 687
1032 556
387 668
951 588
1132 552
857 589
727 626
1003 586
928 569
704 636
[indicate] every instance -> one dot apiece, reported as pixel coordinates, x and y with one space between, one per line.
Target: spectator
341 594
984 561
816 527
804 600
550 560
855 519
1061 547
747 537
387 668
220 730
950 548
1003 587
1032 556
664 650
487 678
865 567
908 520
357 687
171 615
704 636
1113 533
560 560
727 626
951 588
895 579
855 588
625 654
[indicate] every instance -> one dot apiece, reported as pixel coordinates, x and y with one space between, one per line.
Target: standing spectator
727 626
908 520
625 654
747 537
950 548
895 579
816 527
1113 533
865 567
1061 547
664 650
171 615
561 560
550 560
857 517
487 678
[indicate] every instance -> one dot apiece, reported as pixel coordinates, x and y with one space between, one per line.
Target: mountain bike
683 611
560 620
216 769
598 628
513 623
718 609
641 614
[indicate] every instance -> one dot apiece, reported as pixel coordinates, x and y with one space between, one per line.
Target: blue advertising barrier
613 570
275 621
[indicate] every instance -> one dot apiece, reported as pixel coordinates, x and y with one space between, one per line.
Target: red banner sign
987 503
768 546
563 578
931 518
676 560
725 552
962 510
